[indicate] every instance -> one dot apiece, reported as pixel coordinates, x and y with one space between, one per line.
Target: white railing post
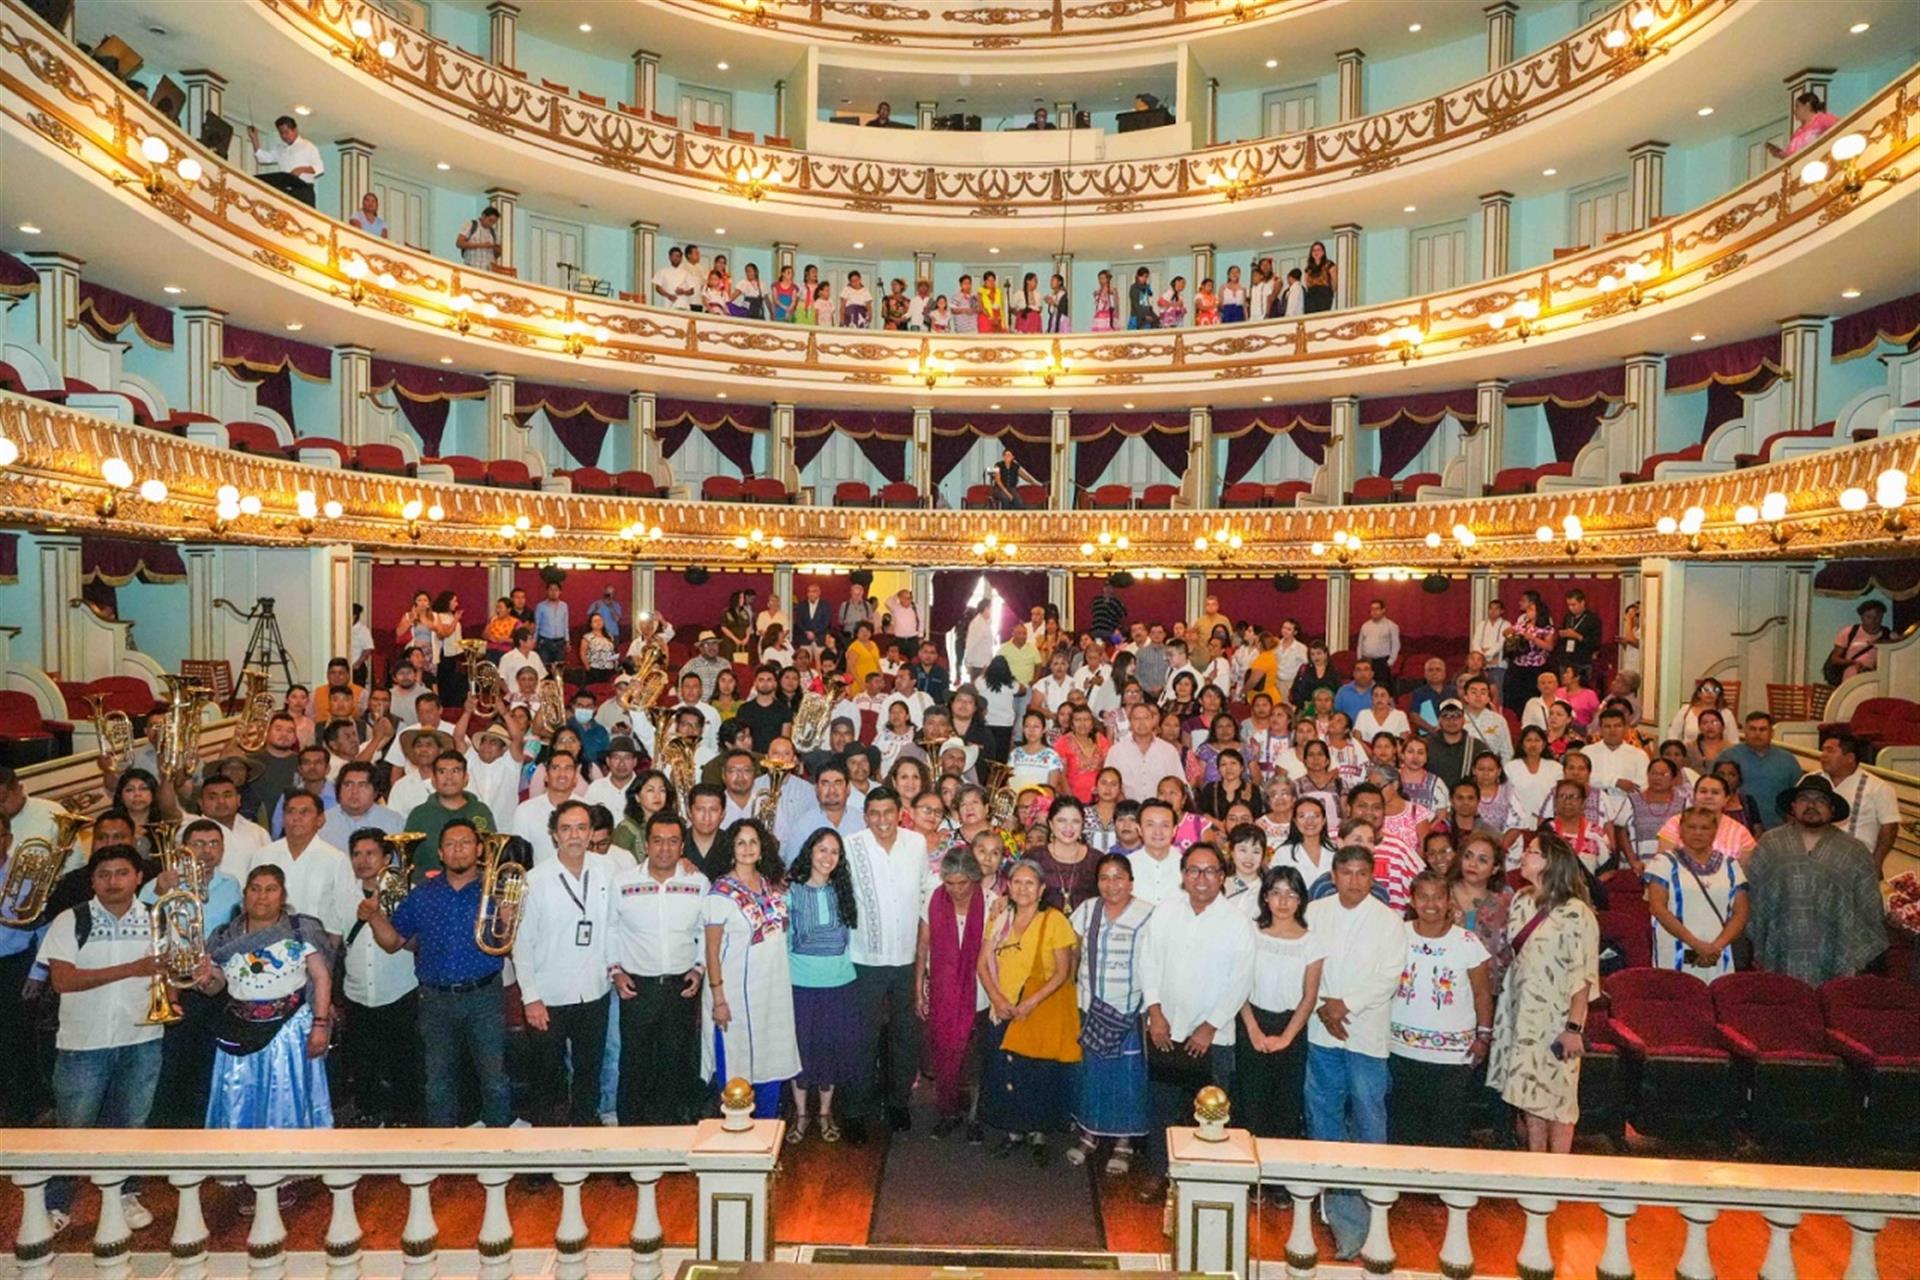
1213 1170
1303 1254
189 1243
267 1238
1696 1260
112 1237
1377 1255
1536 1253
495 1244
734 1168
1615 1262
420 1237
343 1228
1456 1250
1778 1264
570 1236
1861 1261
33 1241
646 1240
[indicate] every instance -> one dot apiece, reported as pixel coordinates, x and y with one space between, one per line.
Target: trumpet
115 729
483 679
256 711
503 887
395 880
549 710
178 922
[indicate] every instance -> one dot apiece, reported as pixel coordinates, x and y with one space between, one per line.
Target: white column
352 376
1196 592
646 80
646 1239
1350 100
1212 1186
1343 450
1815 80
643 589
505 201
1480 593
1202 267
1213 110
60 642
1346 255
420 1235
354 160
188 1246
362 588
923 265
920 454
56 307
500 575
923 114
784 254
206 94
343 1228
1645 384
1198 487
646 240
781 466
503 22
1500 33
1648 180
203 586
203 341
1339 603
1496 225
1797 590
502 430
1060 490
1060 591
1063 113
1802 338
734 1171
1063 267
645 452
1488 443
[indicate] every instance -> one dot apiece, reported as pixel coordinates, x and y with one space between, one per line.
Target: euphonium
503 887
649 682
256 712
811 722
175 857
177 752
178 922
483 679
115 729
549 710
769 803
32 871
396 878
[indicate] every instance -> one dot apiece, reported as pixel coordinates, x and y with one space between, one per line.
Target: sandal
1077 1153
829 1131
798 1132
1121 1161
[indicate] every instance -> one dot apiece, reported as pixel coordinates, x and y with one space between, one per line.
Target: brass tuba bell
178 922
483 679
256 712
115 730
395 880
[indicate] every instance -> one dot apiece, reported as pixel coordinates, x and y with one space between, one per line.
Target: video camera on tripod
266 647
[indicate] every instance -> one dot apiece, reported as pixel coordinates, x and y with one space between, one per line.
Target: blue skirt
1020 1094
826 1023
1110 1094
1232 312
278 1087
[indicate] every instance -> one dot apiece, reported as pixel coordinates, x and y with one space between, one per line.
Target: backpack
1834 670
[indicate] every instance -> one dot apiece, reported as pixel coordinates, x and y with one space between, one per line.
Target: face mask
583 714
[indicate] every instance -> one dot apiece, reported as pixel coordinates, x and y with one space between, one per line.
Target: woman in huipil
1106 305
1110 1093
1033 1034
952 1003
747 1024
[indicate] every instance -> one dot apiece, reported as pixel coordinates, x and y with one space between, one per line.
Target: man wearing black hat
1817 912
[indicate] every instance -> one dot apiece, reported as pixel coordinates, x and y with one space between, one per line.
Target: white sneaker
138 1215
60 1218
610 1119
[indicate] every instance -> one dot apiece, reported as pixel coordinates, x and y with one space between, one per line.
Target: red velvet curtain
1575 404
1897 322
1406 423
1735 362
271 390
1248 432
1027 434
730 428
882 437
268 352
1445 617
1148 600
108 311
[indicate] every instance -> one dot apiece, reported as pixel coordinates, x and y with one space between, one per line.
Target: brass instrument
813 719
173 856
650 677
178 922
35 866
673 754
115 729
483 679
503 887
396 878
768 805
256 711
177 752
549 710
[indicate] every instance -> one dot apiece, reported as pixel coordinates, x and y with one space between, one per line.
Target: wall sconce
1890 491
752 182
990 550
1847 149
930 370
156 151
1049 370
412 512
1106 548
1522 317
120 487
356 271
755 543
574 337
1345 548
229 506
462 306
1406 341
1635 41
306 513
366 53
642 533
1772 511
1463 541
1232 181
872 542
9 452
520 532
1688 526
1636 275
1224 545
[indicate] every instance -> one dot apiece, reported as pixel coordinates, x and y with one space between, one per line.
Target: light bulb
488 310
154 491
155 148
1890 489
546 531
387 48
1854 499
332 510
522 522
436 512
461 302
355 269
1497 320
1641 19
1463 535
1012 549
1544 533
226 495
117 473
9 452
1318 548
386 280
189 169
1773 507
506 531
1199 544
1637 272
1433 541
1692 519
1572 527
1353 542
601 335
227 511
779 543
1615 39
1608 284
362 28
250 505
1340 538
1813 171
1746 514
1666 525
1528 310
1850 147
412 510
305 504
1086 548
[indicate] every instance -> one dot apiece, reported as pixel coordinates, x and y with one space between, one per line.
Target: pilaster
1060 491
506 201
60 641
1803 649
924 113
1647 180
363 587
1481 592
500 574
1060 591
1198 486
1644 385
646 248
1496 228
1344 448
1339 601
1202 267
502 430
1815 80
784 254
503 24
352 380
920 455
1213 110
353 158
646 79
781 465
1487 445
56 307
206 95
1346 256
203 331
1500 18
923 265
1196 594
641 407
1349 100
1801 340
1063 267
643 590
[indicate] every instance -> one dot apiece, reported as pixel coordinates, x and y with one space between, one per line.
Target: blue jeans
553 653
102 1089
465 1025
1346 1102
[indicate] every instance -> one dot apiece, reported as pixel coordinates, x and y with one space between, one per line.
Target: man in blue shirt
1356 695
608 610
929 677
552 628
460 1011
355 807
1766 770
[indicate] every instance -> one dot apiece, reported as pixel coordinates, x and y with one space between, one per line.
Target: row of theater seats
28 737
1761 1053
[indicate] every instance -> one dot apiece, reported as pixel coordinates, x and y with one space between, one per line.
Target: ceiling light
1850 147
993 250
1126 404
294 326
1414 27
859 244
1849 293
1266 235
1704 111
586 26
155 148
332 509
1814 172
1407 208
29 229
154 491
302 109
171 288
1548 173
1854 499
1266 399
443 166
117 473
446 359
719 231
1859 28
1272 63
1696 337
721 65
10 454
1138 247
722 395
993 406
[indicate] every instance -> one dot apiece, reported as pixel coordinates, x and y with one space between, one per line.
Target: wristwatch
1575 1027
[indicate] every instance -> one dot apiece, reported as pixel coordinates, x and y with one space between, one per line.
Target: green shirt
430 818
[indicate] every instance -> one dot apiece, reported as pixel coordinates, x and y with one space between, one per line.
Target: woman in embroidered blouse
896 735
1032 761
1591 842
1698 897
1206 304
1058 306
856 303
1321 779
1106 304
1233 298
786 296
821 914
1276 821
1321 275
1532 634
1653 805
1496 802
1172 305
1033 1035
948 994
269 1062
1480 901
498 632
746 1018
993 304
1110 1098
1732 838
893 308
1270 1054
1028 305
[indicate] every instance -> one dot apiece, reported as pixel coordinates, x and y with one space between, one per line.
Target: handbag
1051 1033
1514 645
1104 1030
1741 947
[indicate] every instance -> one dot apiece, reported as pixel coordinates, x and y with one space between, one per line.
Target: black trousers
186 1064
566 1063
26 1052
299 188
659 1053
1433 1103
892 1031
380 1048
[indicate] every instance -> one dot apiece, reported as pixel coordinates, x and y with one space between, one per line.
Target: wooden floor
824 1195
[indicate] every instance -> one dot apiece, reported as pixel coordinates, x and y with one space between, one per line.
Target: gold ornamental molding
1011 24
78 117
57 482
474 91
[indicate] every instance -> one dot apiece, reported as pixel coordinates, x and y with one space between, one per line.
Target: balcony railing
973 26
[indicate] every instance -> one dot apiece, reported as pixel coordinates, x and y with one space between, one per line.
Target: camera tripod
266 647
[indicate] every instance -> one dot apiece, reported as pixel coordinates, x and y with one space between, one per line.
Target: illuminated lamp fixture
412 513
930 370
158 153
1232 181
1635 277
367 53
752 182
306 513
1224 545
1890 493
1689 526
755 11
756 543
9 452
1572 533
1106 548
122 486
574 335
1344 550
1405 341
1051 369
990 550
872 542
1772 512
1847 149
641 532
461 304
1522 316
1635 40
519 533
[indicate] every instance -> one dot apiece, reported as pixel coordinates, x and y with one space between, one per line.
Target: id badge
583 933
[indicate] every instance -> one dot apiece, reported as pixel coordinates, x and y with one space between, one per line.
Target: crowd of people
1065 878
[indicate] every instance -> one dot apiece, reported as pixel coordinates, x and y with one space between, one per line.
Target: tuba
178 922
483 679
549 710
813 718
395 880
116 733
36 865
256 709
778 772
177 752
503 887
649 681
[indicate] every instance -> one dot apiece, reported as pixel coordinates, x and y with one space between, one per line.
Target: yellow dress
993 309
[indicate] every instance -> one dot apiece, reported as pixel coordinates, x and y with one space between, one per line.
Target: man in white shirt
658 951
1484 723
1195 961
622 760
380 1036
320 880
888 863
532 817
219 800
1490 638
413 784
355 807
1873 810
1616 763
738 775
426 720
561 957
1157 875
493 775
672 286
982 639
521 655
1348 1081
1534 714
1379 639
296 160
1053 690
1143 758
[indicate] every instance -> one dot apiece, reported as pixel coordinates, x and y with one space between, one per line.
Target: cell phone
1557 1049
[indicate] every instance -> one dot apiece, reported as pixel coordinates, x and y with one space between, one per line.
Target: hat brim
1841 810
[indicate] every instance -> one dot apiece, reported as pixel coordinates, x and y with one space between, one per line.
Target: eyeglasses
1210 873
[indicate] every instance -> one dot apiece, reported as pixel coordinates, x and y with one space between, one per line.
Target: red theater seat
1371 489
591 480
1408 487
509 473
636 484
1664 1021
1034 495
1888 722
768 490
1158 497
335 447
1287 492
978 495
898 494
252 437
852 493
1111 497
1796 1087
382 459
466 470
1243 494
26 738
1874 1024
722 489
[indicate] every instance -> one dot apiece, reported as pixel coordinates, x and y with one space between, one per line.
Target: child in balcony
715 297
993 304
1058 320
966 308
856 303
1233 298
749 299
1106 305
1172 305
1140 311
940 316
786 296
1206 304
